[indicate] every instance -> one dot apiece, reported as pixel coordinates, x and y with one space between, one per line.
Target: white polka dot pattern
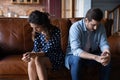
51 48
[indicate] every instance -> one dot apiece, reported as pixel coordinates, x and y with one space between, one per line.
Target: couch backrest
63 25
15 36
114 42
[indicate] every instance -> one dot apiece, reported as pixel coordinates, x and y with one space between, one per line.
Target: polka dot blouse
51 48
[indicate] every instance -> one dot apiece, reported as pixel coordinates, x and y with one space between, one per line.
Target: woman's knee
38 60
43 61
31 63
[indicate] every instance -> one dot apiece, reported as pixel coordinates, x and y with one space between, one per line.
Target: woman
47 51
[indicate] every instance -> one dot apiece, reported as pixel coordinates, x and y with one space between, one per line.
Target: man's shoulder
79 21
78 24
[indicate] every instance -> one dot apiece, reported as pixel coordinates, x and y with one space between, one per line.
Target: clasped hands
104 58
31 55
27 56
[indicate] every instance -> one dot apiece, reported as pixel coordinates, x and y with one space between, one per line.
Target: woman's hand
26 57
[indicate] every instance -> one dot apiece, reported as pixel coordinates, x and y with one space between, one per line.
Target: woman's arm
28 55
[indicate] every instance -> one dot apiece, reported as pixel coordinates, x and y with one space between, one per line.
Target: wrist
95 57
106 51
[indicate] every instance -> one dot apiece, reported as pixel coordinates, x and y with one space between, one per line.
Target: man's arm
104 58
86 55
105 48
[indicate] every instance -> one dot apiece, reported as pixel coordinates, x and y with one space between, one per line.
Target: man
88 45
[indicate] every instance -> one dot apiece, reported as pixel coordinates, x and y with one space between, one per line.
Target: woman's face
92 25
36 28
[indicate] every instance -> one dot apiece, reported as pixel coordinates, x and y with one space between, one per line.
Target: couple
87 44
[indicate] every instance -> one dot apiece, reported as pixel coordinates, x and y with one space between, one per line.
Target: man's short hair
94 13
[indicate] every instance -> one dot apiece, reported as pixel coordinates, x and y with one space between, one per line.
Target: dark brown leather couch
114 41
15 39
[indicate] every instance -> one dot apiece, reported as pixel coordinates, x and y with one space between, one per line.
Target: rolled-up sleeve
75 40
103 40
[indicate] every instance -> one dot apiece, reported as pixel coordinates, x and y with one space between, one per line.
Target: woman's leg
42 63
32 70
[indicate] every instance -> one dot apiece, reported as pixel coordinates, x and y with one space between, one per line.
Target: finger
102 57
24 54
104 64
107 57
107 61
23 59
104 54
26 59
104 60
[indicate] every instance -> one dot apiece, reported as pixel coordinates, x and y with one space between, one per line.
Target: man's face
92 25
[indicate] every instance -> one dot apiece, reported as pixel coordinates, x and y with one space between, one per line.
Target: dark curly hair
41 18
94 13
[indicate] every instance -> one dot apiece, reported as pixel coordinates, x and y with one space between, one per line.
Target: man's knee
75 60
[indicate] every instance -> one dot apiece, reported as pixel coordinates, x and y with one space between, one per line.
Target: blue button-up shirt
78 38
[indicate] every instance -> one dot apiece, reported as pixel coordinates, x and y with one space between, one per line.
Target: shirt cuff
77 52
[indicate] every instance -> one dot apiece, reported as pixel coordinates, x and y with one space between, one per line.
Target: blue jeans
76 63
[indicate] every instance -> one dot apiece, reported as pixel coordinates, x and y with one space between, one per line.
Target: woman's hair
95 14
41 18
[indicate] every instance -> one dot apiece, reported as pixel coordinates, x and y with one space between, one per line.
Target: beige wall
20 9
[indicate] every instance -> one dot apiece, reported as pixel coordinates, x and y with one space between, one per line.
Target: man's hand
99 58
106 59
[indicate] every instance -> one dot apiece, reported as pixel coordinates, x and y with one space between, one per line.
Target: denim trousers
76 64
